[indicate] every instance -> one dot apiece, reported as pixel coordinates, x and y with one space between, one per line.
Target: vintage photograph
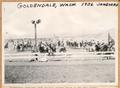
48 43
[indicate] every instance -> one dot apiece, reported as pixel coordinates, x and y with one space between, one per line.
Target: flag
110 40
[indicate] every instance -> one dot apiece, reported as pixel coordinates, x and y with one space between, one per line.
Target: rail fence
60 56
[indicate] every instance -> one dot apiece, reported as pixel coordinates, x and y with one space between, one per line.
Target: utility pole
35 28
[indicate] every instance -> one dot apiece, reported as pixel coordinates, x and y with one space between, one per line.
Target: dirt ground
89 71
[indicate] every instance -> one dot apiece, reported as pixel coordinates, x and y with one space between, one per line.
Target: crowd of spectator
50 46
92 45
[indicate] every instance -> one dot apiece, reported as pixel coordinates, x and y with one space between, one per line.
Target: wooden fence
60 56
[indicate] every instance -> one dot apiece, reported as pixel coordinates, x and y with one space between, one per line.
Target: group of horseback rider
60 46
42 47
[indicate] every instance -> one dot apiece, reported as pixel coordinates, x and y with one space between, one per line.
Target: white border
60 84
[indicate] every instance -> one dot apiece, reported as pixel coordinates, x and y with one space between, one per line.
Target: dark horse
62 49
27 47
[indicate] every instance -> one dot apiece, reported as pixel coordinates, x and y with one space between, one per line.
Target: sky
57 21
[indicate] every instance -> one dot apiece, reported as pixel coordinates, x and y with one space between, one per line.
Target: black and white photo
54 42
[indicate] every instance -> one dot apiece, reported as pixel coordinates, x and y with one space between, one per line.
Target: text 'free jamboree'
57 5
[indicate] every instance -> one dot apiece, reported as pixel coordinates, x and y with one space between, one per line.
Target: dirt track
60 72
